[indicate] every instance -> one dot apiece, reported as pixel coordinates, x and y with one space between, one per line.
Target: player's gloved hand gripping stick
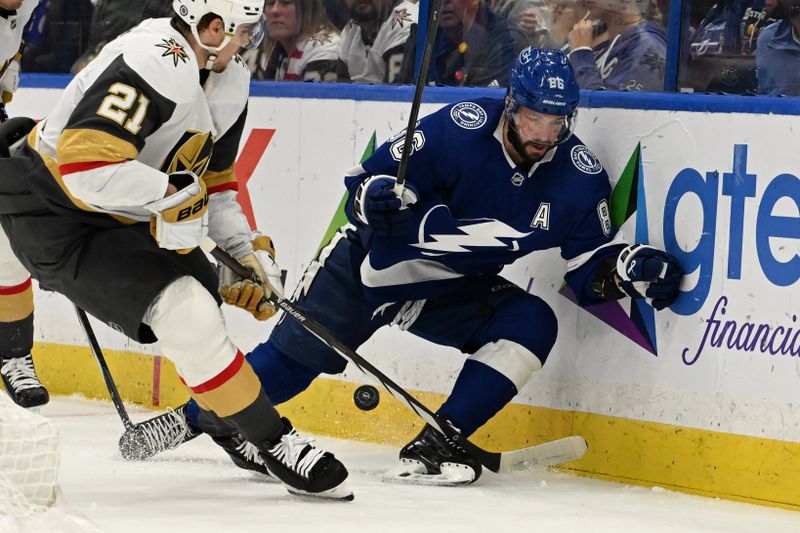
242 291
649 273
553 452
377 205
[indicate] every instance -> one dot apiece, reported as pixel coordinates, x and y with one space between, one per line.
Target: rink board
700 398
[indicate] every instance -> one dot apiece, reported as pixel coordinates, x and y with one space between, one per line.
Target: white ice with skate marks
196 488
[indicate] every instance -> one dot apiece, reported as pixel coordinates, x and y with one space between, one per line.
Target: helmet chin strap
212 56
213 52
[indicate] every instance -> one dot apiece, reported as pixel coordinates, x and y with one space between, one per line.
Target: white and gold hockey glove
180 220
244 293
9 81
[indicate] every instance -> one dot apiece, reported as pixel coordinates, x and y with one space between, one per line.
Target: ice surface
195 488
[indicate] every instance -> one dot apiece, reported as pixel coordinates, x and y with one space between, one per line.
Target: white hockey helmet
243 18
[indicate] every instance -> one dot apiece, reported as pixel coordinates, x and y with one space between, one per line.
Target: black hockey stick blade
553 452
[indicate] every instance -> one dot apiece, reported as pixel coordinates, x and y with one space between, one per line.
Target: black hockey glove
647 272
377 205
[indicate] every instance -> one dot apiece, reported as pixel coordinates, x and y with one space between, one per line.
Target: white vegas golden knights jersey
380 62
135 114
320 46
12 24
308 61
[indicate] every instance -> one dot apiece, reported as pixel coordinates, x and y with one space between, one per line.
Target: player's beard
520 146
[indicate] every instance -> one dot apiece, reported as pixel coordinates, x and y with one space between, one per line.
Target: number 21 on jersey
117 105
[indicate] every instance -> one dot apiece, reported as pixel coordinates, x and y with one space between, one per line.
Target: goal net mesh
29 457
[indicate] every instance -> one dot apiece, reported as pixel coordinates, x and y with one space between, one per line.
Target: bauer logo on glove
180 220
188 211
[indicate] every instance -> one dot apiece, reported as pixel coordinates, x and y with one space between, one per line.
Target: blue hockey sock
282 377
479 393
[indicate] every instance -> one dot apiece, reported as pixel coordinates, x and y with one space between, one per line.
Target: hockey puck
366 397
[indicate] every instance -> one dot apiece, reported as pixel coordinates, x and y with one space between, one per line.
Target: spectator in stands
337 12
532 19
374 39
721 49
566 13
778 52
718 33
111 18
57 36
731 27
756 17
631 58
301 44
473 46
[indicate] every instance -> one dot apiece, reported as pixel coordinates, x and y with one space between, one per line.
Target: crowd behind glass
731 47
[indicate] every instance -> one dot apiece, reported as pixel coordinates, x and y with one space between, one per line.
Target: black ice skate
21 382
161 433
433 459
304 469
243 453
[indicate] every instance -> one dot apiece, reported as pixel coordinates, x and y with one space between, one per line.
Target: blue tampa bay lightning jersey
478 211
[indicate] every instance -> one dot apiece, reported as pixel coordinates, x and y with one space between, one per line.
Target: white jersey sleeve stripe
580 260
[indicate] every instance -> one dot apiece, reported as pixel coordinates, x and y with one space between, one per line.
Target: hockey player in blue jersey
429 261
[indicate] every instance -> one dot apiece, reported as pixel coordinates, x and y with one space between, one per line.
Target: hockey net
29 457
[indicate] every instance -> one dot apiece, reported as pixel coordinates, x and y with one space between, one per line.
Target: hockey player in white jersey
109 197
16 293
14 16
374 39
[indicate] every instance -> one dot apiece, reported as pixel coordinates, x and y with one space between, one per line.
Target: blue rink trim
702 103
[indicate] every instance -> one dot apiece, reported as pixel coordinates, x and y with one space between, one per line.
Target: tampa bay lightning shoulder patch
585 160
468 115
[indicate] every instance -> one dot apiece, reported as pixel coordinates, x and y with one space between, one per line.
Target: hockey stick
101 361
134 443
422 77
553 452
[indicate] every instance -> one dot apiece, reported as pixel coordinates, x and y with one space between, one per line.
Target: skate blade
339 493
412 472
262 477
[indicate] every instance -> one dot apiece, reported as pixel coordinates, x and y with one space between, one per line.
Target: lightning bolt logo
468 115
485 233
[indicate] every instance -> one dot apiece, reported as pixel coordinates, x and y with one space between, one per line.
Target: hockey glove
377 205
9 81
245 293
647 272
180 221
